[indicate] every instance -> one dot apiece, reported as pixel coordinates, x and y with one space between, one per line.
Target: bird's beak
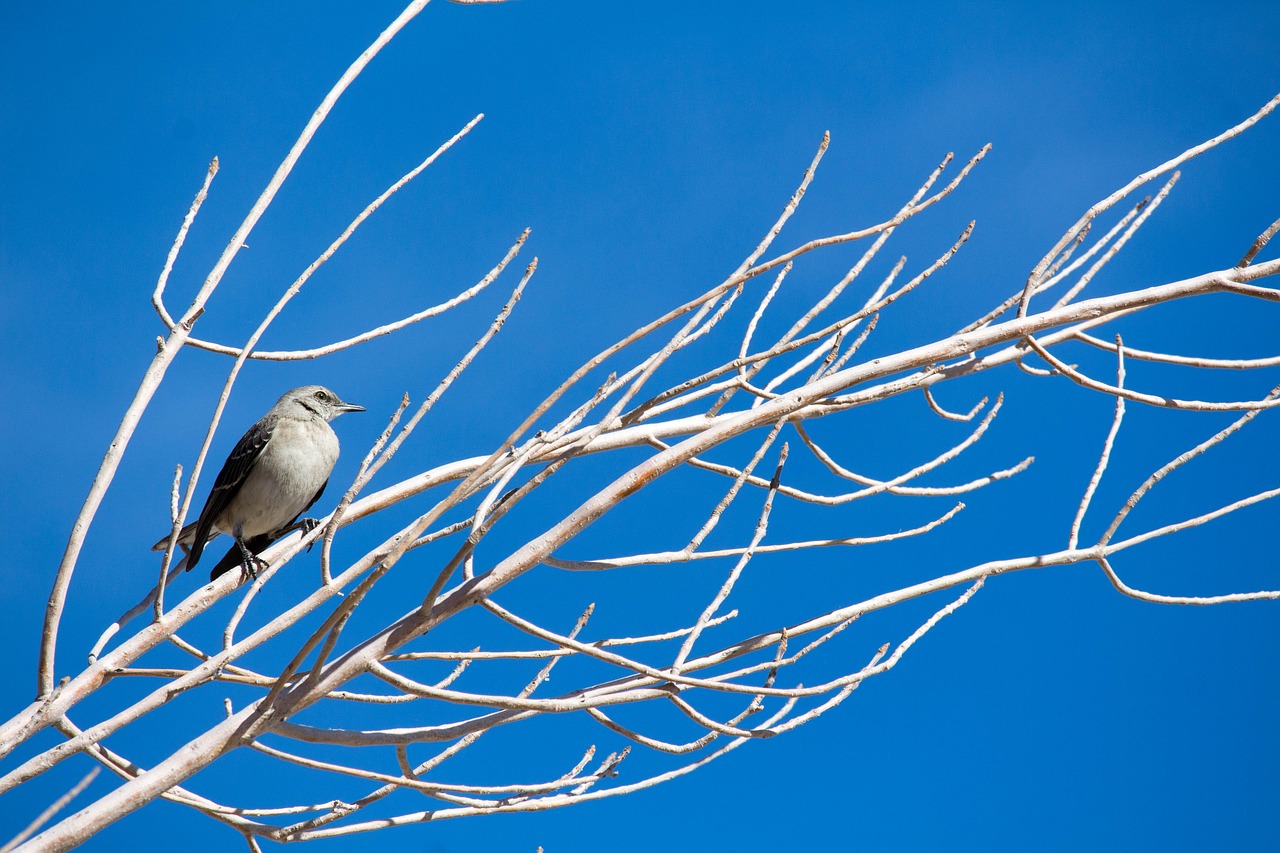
348 407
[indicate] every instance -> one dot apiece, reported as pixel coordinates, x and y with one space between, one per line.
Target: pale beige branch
719 509
1147 210
952 416
52 809
1188 361
157 296
1155 598
380 331
666 557
1259 244
1150 399
1058 273
1035 278
1176 463
1105 456
1189 523
762 525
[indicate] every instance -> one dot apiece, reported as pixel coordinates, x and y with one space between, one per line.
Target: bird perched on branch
276 471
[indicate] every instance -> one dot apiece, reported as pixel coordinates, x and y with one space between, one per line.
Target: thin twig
1105 456
53 808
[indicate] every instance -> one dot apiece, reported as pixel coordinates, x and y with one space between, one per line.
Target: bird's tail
234 558
185 537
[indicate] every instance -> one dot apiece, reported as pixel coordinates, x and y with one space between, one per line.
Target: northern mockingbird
277 470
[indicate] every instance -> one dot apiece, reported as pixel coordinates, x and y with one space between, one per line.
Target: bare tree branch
699 390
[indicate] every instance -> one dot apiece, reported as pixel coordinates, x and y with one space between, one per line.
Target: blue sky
648 147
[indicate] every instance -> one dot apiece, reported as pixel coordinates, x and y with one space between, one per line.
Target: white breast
292 467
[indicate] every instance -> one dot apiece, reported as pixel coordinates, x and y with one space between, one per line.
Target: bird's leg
251 563
306 525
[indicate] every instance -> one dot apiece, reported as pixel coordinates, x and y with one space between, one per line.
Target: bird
275 473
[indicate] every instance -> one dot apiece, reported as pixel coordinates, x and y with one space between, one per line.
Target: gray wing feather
229 480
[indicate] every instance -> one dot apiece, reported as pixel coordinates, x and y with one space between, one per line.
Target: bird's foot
250 563
306 525
251 566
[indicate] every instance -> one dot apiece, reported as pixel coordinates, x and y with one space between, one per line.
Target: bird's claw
251 566
250 563
307 525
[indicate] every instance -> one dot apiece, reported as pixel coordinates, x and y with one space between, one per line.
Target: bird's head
320 401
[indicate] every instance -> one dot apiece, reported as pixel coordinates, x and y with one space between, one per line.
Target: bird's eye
322 397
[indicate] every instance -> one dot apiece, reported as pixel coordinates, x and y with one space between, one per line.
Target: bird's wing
257 544
230 479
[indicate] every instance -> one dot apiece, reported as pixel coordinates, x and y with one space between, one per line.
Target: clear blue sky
648 146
